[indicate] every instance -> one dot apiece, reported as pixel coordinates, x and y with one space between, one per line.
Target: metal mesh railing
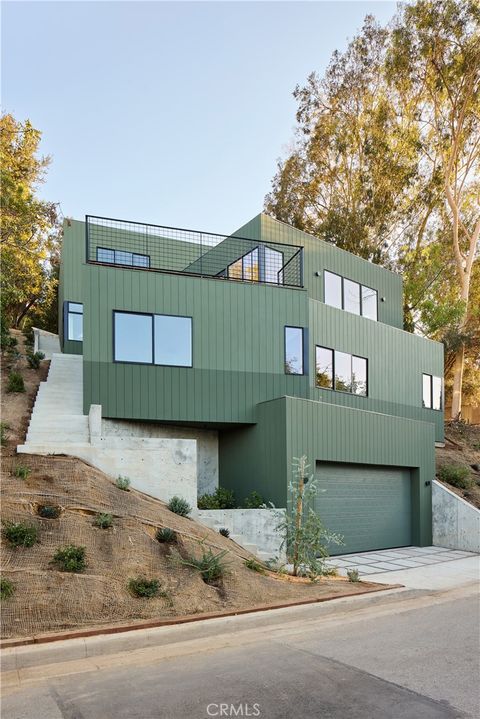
169 249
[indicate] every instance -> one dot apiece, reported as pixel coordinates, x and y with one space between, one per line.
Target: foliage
21 471
211 566
221 499
30 228
7 341
142 587
457 475
304 535
70 558
224 531
180 506
20 534
49 511
254 501
103 520
7 588
15 382
34 359
353 575
29 338
165 535
255 566
4 427
123 483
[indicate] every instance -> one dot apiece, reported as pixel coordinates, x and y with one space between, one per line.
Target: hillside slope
462 447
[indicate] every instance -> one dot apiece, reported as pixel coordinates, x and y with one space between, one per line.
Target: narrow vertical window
359 376
427 390
273 267
332 289
324 368
351 296
293 350
343 372
74 321
369 303
436 392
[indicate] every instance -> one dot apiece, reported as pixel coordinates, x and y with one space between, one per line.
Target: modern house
263 346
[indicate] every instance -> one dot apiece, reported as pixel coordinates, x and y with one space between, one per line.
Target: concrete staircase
57 417
210 520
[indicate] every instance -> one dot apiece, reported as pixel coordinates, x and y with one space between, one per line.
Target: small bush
165 535
4 427
15 382
123 483
20 534
70 558
254 501
221 499
29 337
254 565
457 475
211 566
21 471
34 359
353 575
142 587
48 511
103 520
7 588
180 506
224 532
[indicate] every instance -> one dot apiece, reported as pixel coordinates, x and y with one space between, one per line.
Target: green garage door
370 506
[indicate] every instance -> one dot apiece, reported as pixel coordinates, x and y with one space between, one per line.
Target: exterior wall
206 441
255 526
329 433
456 523
72 278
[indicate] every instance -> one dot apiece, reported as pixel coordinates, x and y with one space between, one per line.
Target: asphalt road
419 661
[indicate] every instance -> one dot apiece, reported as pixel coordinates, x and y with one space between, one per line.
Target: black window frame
152 315
66 313
442 398
361 286
121 264
333 387
304 352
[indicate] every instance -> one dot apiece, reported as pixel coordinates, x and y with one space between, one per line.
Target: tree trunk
456 410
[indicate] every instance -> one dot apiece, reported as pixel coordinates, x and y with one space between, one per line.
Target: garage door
370 506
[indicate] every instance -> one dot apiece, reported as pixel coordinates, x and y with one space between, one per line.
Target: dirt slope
462 446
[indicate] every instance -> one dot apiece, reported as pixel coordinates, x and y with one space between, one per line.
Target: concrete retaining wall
455 523
46 342
254 526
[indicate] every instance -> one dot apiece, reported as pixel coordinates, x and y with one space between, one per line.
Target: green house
277 345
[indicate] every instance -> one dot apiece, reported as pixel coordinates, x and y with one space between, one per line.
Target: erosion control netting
47 599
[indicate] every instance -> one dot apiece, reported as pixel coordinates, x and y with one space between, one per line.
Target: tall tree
30 231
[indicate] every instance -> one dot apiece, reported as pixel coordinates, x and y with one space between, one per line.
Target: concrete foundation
455 523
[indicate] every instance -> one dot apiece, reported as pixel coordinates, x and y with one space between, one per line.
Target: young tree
30 232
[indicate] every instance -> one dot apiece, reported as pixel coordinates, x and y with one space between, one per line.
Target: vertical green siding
72 277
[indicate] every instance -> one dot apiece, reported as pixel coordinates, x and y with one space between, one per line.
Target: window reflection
333 289
359 375
351 291
293 350
324 367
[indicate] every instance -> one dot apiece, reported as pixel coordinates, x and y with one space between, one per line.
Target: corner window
293 350
432 391
350 296
74 321
152 339
341 371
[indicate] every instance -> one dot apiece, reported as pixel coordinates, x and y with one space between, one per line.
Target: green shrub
142 587
34 359
20 534
48 511
103 520
211 566
15 382
4 427
123 483
21 471
221 499
7 588
165 535
180 506
457 475
224 532
29 337
254 565
353 575
254 501
70 558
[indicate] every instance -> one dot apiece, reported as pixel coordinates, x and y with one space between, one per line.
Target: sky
173 113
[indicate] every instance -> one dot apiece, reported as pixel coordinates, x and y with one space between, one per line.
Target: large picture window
294 350
340 371
350 296
152 339
74 321
432 395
